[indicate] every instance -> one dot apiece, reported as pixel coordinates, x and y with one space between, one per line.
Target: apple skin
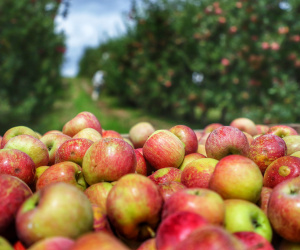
99 240
68 172
141 164
111 134
296 154
202 201
5 245
246 182
149 244
73 150
265 149
283 168
57 243
292 143
176 228
164 175
189 158
13 193
242 215
203 139
55 131
108 160
282 130
212 126
198 173
59 209
254 240
134 206
101 222
32 146
53 142
164 149
139 133
187 136
225 141
284 207
15 131
249 137
245 125
97 194
264 199
17 163
201 150
80 121
88 133
169 188
262 129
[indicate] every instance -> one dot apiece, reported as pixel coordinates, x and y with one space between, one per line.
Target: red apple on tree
245 125
139 133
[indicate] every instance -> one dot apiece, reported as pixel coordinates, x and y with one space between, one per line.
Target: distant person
98 81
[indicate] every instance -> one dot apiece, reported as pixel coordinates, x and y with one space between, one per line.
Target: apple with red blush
167 189
189 158
253 240
139 133
164 175
282 130
262 129
245 124
264 199
89 133
101 222
56 242
210 127
111 134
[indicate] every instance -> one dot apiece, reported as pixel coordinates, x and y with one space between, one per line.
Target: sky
87 24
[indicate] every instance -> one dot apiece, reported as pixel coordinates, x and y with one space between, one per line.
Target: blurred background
165 61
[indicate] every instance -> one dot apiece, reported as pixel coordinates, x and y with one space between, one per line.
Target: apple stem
150 231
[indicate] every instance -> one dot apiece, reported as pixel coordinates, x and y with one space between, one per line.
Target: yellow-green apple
73 150
57 243
292 143
205 202
281 169
139 133
242 215
89 133
262 129
210 237
53 142
282 130
98 192
17 163
101 222
80 121
68 172
149 244
244 124
284 209
168 188
237 176
265 149
198 173
164 149
32 146
13 193
108 160
134 206
141 164
296 154
111 134
201 150
264 199
187 136
253 240
176 227
226 140
189 158
5 244
212 126
99 240
15 131
164 175
38 173
59 209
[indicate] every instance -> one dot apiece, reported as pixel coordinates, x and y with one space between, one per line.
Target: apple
201 150
265 149
59 209
15 131
164 175
212 126
198 134
167 189
237 176
203 139
111 134
89 133
55 131
198 173
149 244
284 209
264 199
133 207
139 133
141 164
38 173
17 163
292 143
205 202
57 243
253 240
4 244
101 222
108 160
225 141
242 215
97 194
187 136
262 129
283 168
99 240
296 154
245 125
68 172
53 142
128 141
164 149
32 146
176 227
13 193
189 158
249 137
282 130
80 121
73 150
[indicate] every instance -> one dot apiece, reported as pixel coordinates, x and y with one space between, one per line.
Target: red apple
108 160
245 125
189 158
139 133
89 133
264 199
164 175
101 222
203 139
55 131
292 143
212 126
282 130
262 129
141 164
57 243
225 141
167 189
111 134
253 240
149 244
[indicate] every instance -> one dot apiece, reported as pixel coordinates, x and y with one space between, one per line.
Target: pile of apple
226 187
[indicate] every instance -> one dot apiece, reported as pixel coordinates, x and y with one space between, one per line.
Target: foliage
209 61
31 54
